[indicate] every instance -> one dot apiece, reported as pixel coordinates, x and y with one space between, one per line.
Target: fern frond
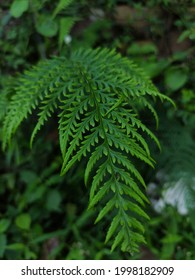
32 87
95 93
63 4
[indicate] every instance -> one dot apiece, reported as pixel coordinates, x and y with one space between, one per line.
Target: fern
95 93
63 4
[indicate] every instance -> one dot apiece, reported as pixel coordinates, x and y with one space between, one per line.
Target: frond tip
94 94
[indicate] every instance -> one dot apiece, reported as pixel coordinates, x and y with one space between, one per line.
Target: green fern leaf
113 228
63 4
109 206
98 120
118 239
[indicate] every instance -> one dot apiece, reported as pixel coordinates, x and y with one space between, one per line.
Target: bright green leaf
172 238
109 206
117 240
15 246
23 221
112 229
61 5
18 7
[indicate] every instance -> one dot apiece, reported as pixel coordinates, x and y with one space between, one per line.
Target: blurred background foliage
43 215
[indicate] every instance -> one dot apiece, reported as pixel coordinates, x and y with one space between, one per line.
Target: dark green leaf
53 200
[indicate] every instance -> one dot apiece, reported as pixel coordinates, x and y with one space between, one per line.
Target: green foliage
46 26
178 163
175 239
61 5
23 221
176 78
18 7
174 194
35 33
179 158
30 185
4 224
65 26
97 120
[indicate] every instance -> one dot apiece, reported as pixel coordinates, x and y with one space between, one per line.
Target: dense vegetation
80 72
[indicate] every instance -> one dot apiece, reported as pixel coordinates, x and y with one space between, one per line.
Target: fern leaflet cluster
96 94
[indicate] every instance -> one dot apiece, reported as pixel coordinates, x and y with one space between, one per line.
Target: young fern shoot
95 93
